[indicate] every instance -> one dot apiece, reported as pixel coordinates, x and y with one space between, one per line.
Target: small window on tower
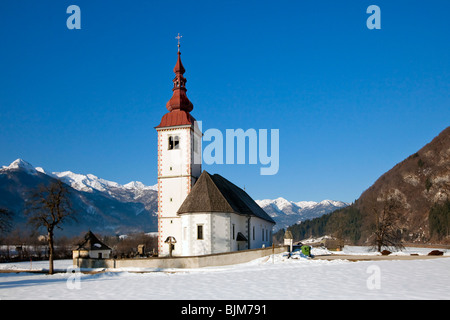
174 142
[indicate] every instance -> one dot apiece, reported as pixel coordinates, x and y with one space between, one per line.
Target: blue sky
349 102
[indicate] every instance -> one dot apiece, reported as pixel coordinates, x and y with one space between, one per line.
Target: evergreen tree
439 220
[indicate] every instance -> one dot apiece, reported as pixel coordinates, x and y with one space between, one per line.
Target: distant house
91 247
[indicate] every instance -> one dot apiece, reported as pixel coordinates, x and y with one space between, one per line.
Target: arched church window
174 142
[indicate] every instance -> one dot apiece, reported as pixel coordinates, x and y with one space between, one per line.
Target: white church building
199 213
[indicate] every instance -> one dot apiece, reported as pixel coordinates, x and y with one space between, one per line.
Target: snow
294 208
274 277
139 186
306 204
80 182
287 213
21 164
91 182
334 203
282 203
367 250
85 182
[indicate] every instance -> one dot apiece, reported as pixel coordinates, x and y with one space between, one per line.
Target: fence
217 259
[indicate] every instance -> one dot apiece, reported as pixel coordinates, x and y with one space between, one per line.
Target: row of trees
127 247
18 245
439 220
343 224
49 207
25 246
378 221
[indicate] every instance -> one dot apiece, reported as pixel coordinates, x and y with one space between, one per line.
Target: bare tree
387 216
50 207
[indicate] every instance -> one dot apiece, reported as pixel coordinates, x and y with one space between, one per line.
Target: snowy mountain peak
287 212
80 182
333 203
139 186
282 203
91 182
135 185
83 182
20 164
278 202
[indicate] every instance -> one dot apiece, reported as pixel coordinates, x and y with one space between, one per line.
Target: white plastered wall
218 233
177 173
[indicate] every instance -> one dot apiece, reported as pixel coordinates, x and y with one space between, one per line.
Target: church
199 213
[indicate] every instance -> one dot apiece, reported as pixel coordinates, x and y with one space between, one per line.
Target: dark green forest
343 224
439 220
350 224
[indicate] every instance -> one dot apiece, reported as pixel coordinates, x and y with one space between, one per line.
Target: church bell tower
179 162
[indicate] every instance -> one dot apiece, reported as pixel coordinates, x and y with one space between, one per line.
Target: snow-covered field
274 277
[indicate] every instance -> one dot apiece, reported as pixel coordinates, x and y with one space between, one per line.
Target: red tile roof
176 118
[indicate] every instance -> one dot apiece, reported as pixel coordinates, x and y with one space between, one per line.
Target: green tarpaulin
306 250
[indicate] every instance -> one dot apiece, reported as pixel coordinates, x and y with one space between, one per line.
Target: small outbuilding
91 247
288 239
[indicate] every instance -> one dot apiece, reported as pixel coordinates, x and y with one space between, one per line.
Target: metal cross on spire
178 38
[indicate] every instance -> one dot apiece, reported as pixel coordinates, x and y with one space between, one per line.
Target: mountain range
417 184
411 201
102 206
287 213
108 207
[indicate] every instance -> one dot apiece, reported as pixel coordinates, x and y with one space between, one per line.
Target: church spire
179 100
